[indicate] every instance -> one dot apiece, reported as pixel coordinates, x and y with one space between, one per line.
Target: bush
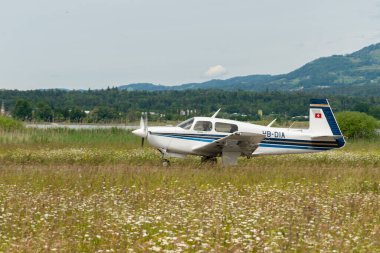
357 124
7 124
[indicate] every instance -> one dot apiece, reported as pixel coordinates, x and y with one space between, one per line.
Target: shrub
7 124
357 124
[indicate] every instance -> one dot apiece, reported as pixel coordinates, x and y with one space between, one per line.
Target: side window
203 126
225 127
186 124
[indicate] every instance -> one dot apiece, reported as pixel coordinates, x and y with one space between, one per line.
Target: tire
165 163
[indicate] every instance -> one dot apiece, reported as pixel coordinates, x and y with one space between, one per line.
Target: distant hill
352 74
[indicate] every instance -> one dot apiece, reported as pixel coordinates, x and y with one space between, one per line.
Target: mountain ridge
359 70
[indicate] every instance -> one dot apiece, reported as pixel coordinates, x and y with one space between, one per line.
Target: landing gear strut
165 162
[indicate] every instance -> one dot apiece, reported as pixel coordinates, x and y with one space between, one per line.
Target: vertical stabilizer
321 119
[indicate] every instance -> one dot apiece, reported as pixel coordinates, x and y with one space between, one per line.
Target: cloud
216 71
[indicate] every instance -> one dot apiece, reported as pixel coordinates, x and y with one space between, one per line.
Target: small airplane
212 137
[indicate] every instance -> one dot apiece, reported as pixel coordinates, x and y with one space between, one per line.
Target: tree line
113 104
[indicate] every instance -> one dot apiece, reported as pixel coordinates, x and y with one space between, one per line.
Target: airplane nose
139 132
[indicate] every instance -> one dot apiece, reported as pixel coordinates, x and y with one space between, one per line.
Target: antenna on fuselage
292 124
270 124
216 113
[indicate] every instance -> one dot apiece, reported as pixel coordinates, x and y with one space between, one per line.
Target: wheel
165 163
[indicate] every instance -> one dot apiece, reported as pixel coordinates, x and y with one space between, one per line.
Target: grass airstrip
98 191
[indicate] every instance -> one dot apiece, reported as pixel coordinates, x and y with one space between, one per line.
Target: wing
231 146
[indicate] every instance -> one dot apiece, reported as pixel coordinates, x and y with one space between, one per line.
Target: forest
114 105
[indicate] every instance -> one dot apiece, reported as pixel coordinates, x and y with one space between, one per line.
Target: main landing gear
165 162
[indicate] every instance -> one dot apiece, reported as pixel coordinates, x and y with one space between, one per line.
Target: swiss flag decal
318 115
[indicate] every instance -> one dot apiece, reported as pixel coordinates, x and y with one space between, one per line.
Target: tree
44 112
375 111
62 114
133 115
204 102
105 113
22 110
77 115
356 124
362 107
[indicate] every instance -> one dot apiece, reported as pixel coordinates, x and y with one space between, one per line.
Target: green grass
98 191
9 124
63 137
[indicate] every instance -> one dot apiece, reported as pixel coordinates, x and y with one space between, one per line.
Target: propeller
143 130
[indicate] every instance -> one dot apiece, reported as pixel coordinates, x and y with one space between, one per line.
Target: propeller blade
146 125
142 123
143 126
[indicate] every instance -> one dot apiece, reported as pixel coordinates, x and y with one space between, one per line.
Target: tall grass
98 191
253 207
63 137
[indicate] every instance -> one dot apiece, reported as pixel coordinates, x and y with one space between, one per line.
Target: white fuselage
179 141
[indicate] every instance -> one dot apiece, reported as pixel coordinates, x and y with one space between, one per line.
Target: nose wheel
165 162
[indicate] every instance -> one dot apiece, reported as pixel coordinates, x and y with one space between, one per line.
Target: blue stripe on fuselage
266 145
295 142
267 142
209 136
186 137
298 140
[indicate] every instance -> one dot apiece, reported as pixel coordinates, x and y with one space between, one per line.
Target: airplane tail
322 122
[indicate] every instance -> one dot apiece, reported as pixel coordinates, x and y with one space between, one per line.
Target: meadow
99 191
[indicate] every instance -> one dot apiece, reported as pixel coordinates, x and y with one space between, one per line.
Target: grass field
98 191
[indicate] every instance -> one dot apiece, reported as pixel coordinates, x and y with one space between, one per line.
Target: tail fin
322 122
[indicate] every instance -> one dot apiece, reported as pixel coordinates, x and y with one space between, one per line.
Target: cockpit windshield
186 124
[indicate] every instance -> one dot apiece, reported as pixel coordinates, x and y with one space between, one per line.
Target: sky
81 44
